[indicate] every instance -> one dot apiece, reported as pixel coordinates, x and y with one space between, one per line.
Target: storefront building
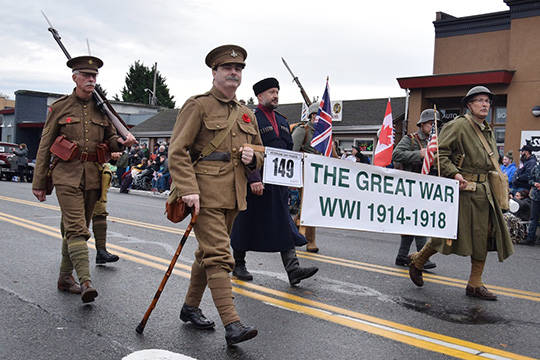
498 50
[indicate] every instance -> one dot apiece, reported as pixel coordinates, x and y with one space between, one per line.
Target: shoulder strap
415 136
218 139
484 143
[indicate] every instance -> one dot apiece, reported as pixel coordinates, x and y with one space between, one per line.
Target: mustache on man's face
90 83
233 78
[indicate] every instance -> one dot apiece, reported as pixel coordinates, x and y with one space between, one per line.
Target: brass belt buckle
84 156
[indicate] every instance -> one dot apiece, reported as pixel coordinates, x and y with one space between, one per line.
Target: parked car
8 163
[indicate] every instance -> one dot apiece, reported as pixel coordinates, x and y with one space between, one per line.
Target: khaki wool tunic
79 121
480 218
220 184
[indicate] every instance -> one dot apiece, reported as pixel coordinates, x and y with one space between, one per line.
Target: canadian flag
385 145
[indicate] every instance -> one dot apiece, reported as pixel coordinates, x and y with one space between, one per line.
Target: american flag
322 136
431 149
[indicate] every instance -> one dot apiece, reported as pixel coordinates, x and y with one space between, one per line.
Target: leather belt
88 156
217 156
479 178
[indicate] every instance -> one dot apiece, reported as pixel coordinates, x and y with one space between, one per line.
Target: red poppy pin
246 118
49 109
68 120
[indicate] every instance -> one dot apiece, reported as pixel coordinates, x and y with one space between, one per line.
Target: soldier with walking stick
209 164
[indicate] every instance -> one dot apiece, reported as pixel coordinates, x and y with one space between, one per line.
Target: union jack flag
322 136
431 149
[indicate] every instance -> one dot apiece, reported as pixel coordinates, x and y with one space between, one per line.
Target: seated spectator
160 182
517 221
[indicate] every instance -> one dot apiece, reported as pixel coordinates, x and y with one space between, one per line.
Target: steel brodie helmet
476 91
428 115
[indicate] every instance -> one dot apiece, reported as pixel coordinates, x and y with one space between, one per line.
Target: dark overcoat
266 224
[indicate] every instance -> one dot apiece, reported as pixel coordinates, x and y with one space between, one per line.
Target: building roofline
42 93
458 79
447 25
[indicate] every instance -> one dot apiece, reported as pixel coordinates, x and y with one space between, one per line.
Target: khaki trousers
213 262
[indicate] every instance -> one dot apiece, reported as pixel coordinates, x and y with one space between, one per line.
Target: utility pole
154 98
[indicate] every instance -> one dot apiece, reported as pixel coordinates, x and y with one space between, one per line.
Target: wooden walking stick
142 324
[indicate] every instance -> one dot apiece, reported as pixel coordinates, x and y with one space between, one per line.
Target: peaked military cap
87 64
265 84
226 54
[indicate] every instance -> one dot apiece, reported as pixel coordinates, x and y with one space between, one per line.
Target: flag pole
437 133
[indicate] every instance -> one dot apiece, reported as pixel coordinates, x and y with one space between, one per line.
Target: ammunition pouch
65 149
103 153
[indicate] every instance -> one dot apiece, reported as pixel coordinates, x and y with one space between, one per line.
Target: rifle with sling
103 104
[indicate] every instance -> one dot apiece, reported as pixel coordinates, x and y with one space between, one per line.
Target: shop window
500 115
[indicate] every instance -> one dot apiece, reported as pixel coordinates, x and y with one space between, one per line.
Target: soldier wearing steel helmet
77 181
301 136
216 186
481 226
409 155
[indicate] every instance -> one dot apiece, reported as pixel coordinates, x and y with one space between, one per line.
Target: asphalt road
358 306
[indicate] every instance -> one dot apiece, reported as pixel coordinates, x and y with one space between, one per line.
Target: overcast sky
363 46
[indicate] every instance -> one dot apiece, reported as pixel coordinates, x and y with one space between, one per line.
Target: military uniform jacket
82 122
220 184
301 136
264 226
407 152
459 140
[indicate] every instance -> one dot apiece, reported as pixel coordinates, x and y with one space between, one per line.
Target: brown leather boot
88 293
480 292
67 283
310 237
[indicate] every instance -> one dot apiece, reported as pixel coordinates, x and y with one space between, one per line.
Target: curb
163 195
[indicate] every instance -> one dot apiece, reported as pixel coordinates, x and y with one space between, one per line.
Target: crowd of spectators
522 219
140 169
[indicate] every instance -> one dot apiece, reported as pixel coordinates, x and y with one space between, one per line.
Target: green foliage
140 77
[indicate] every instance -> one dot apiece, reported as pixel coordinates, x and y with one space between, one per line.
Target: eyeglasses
481 101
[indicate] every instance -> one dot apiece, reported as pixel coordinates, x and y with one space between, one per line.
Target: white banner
282 167
346 195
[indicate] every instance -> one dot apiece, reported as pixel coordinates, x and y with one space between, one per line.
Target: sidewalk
162 195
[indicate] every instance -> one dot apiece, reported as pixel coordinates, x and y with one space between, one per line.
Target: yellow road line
395 331
387 270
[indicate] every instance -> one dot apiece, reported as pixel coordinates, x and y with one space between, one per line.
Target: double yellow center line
431 341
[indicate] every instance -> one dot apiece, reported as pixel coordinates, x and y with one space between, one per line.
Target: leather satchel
498 181
175 208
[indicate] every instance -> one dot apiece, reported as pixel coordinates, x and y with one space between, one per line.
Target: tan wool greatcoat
480 217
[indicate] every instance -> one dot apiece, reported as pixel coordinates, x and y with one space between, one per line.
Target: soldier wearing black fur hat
266 224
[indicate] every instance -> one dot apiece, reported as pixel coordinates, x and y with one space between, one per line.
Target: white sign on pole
282 167
346 195
532 138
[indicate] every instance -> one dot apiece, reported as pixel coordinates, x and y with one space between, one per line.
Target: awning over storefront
442 80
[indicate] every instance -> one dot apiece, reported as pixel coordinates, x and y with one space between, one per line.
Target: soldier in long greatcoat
481 226
266 224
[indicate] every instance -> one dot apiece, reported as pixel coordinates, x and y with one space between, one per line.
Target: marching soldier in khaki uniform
216 186
409 155
481 226
77 181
